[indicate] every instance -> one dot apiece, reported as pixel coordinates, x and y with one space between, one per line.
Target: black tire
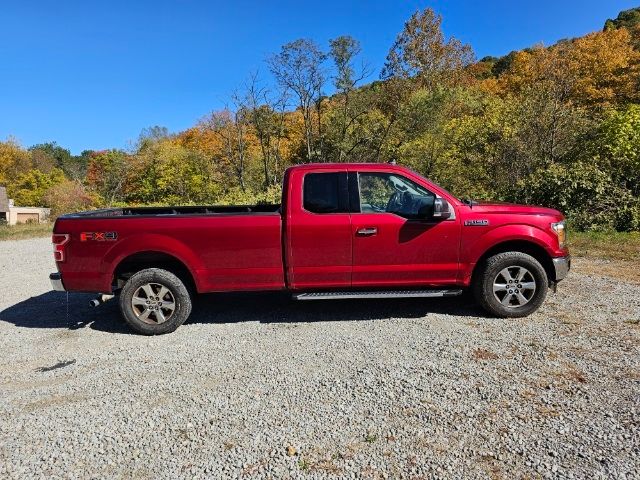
146 315
491 271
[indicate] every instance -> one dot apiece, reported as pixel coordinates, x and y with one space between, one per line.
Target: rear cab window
325 193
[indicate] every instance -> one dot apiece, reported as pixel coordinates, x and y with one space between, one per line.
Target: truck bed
225 248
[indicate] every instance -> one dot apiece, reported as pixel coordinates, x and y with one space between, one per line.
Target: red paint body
294 249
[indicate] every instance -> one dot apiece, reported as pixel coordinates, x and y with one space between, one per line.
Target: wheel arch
142 260
525 246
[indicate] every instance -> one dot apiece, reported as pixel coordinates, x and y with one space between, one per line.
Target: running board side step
378 294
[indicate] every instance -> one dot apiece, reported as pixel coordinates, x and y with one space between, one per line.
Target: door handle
367 232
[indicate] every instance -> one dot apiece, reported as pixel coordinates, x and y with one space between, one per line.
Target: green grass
370 438
303 465
25 230
608 245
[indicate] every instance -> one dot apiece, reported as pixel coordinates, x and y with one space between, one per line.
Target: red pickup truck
342 231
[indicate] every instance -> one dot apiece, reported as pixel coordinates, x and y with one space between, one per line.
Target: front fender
149 242
474 251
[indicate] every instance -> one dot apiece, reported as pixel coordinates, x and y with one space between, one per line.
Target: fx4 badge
476 223
99 236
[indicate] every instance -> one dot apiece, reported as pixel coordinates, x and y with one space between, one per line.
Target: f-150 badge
476 223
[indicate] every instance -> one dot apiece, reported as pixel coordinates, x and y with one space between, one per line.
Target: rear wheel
511 284
155 301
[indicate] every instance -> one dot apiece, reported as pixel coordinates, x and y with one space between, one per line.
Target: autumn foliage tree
422 53
69 196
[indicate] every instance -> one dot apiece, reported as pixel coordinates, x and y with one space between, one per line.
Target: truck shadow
59 310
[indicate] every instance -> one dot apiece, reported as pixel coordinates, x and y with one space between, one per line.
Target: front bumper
56 282
561 265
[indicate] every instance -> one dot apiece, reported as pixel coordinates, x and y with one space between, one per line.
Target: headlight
561 230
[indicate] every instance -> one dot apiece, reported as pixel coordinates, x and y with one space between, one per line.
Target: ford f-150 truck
342 231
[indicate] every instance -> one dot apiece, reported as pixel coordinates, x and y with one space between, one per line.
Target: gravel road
256 386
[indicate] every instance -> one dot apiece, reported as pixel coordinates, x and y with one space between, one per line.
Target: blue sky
92 74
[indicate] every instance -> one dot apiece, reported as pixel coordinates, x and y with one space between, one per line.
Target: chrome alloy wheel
514 286
153 303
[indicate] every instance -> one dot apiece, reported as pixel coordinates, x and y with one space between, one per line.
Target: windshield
437 185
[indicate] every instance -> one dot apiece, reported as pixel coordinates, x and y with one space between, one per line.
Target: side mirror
441 209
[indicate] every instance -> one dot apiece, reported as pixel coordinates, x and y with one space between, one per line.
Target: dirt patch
626 270
484 354
54 401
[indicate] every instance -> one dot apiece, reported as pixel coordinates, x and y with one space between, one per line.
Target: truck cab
369 226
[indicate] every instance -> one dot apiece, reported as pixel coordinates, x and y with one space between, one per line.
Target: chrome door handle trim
367 232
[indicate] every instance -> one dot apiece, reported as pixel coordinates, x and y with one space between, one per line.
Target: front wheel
511 284
154 301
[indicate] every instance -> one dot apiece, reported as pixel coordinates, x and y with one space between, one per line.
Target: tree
42 160
46 155
231 128
625 19
629 20
548 119
420 57
107 174
30 188
616 147
180 175
14 160
69 196
420 51
503 63
421 134
152 134
298 69
604 68
343 51
597 70
266 116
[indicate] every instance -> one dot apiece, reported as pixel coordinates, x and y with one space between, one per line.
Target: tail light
59 240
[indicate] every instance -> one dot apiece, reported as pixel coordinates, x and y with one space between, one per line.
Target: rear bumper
561 265
56 282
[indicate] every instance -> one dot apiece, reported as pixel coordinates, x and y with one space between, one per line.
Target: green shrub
584 193
627 218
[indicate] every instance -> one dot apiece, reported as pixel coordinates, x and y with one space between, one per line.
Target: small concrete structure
28 214
13 215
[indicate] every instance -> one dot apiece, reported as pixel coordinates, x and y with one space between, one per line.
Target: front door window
391 193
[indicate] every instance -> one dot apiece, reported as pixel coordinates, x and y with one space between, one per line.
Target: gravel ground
258 386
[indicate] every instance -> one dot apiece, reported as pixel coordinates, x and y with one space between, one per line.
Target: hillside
558 126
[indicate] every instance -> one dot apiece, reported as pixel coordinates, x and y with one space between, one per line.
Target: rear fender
150 243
